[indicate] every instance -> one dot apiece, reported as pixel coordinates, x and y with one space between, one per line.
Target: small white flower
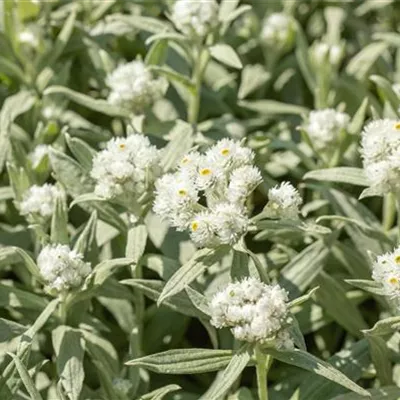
284 201
381 154
133 87
127 167
202 230
195 18
324 127
278 31
29 38
254 311
243 181
39 200
323 54
40 151
386 271
62 268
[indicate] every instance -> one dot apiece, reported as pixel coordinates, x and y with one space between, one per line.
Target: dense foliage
198 199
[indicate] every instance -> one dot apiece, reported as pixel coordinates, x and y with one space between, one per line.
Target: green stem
398 215
63 308
262 367
200 62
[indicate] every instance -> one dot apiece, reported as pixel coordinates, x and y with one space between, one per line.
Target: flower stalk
263 364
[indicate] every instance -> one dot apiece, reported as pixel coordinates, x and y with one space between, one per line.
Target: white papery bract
284 201
126 168
254 311
225 177
62 268
38 201
195 18
386 271
133 87
381 155
278 31
324 127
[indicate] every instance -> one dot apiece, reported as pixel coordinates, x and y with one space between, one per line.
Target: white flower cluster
224 177
133 87
386 271
195 18
278 31
324 127
39 200
127 167
284 201
254 311
381 154
62 268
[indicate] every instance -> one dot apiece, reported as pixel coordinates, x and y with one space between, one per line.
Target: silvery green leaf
353 176
370 192
107 268
165 267
360 65
332 297
384 393
82 152
300 300
381 359
367 285
69 345
136 242
157 52
234 14
21 255
384 327
59 222
148 24
86 241
253 77
226 55
190 271
25 378
230 374
198 300
185 361
174 77
13 106
303 268
153 289
273 107
6 193
358 119
98 105
307 361
159 394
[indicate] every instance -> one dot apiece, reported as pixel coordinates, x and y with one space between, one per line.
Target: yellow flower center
205 171
393 280
397 260
225 152
182 192
195 226
397 126
122 146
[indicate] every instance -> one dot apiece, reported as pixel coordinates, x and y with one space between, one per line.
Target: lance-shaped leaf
10 329
368 286
226 55
106 268
59 221
159 394
353 176
136 242
381 359
68 345
185 361
384 327
189 272
307 361
228 377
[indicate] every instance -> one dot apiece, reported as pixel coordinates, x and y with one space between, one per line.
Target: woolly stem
63 308
262 367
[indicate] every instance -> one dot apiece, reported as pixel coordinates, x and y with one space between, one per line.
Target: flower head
195 18
133 87
62 268
284 201
278 30
126 167
381 154
324 127
224 178
39 200
254 311
386 271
